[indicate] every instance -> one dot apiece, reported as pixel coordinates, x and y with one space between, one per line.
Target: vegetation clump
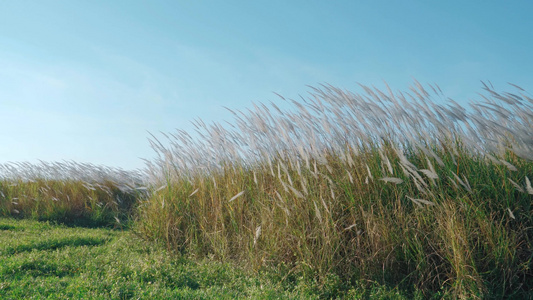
389 187
68 192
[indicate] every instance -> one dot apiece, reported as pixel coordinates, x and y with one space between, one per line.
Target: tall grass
384 186
68 192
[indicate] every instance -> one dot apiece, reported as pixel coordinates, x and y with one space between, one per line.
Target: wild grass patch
392 187
69 193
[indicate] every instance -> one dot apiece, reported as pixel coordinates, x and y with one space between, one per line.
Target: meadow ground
40 260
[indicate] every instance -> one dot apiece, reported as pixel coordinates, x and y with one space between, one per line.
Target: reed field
406 190
69 192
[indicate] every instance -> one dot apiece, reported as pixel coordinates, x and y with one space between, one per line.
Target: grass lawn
40 260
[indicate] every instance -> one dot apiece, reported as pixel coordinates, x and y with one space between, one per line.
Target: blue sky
87 80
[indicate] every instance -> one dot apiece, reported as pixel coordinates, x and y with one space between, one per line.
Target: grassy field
39 260
380 195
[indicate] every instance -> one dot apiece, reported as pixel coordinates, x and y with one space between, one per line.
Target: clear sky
87 80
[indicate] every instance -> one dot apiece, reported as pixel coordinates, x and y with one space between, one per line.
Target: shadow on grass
7 227
56 244
121 222
37 268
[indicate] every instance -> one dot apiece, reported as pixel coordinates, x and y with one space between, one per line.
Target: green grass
40 260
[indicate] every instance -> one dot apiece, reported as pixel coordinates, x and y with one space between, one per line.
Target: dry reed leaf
493 159
419 187
350 160
453 182
438 159
195 191
430 174
296 192
508 165
414 174
298 168
404 161
419 202
430 165
518 187
404 170
257 234
284 185
279 196
325 205
468 187
415 201
317 211
271 168
289 178
510 213
426 202
350 176
141 188
304 185
465 185
394 180
529 189
387 161
236 196
369 173
350 227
